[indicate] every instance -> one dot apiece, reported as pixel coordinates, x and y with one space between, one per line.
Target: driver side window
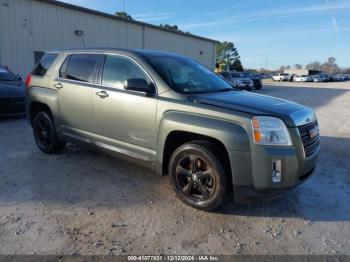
118 69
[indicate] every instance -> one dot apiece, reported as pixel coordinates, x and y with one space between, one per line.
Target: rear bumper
10 108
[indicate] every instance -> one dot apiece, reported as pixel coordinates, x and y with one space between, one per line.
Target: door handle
58 85
102 94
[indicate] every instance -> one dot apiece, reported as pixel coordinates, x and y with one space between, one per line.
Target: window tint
82 67
44 64
118 69
63 68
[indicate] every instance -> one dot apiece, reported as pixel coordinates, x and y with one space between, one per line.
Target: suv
280 77
242 82
175 116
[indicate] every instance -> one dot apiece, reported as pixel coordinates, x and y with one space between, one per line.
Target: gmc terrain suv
176 116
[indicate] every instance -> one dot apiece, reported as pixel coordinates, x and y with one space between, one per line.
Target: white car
303 78
240 81
280 77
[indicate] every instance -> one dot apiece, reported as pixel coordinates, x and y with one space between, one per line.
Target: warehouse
301 72
29 27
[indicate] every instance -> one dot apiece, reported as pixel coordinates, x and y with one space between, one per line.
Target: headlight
270 131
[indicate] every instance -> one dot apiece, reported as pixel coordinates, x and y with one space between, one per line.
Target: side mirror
139 85
19 77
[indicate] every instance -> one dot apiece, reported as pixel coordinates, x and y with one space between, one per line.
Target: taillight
28 79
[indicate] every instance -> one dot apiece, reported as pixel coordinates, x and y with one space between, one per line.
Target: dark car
12 93
256 80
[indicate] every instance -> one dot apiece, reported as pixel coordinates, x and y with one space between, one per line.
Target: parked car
230 81
302 78
318 78
256 80
175 116
240 79
280 77
12 93
341 77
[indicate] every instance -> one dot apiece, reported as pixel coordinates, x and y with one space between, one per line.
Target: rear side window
81 67
44 64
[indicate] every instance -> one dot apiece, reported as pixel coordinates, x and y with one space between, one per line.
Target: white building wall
31 25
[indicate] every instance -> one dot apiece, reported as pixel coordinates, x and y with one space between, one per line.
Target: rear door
77 77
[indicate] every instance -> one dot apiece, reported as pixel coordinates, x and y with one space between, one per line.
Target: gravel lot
85 202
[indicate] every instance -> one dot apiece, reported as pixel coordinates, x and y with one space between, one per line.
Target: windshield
5 75
187 76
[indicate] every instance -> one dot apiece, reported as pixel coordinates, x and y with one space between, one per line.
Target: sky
272 32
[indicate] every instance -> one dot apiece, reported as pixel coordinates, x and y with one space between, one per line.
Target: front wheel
197 175
45 134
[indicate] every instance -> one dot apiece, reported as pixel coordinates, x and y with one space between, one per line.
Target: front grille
310 144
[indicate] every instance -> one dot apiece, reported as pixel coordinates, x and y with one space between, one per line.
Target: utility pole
267 61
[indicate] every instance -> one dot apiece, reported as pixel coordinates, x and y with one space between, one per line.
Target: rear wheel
45 134
197 175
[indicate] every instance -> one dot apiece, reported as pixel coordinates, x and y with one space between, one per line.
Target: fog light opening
276 171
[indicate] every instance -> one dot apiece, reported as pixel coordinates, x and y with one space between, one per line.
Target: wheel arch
177 128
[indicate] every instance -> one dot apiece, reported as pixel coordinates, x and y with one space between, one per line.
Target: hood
11 89
292 113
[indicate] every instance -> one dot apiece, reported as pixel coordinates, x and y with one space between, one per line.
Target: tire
197 175
45 134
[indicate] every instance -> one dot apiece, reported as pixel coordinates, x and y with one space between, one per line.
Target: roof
141 52
90 11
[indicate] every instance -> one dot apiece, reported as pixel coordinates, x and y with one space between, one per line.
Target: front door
123 118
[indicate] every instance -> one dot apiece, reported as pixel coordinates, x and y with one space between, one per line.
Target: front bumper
252 171
245 85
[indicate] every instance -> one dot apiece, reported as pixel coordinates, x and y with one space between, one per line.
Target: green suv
174 115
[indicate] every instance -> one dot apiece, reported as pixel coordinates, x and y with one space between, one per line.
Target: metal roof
90 11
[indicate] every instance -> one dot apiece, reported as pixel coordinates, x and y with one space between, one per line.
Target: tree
313 66
298 66
171 27
330 66
124 15
227 53
236 66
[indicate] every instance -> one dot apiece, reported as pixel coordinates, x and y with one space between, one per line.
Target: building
301 72
29 27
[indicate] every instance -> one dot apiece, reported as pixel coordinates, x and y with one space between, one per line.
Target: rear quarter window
44 64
